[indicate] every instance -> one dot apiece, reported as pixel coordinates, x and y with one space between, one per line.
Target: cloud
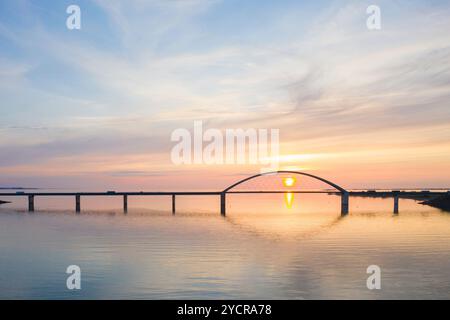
154 67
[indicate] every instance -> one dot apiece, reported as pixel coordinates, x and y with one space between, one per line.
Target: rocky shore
441 202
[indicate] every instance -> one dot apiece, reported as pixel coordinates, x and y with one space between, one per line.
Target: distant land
18 188
442 202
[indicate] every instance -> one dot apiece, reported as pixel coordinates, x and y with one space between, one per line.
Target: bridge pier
396 203
77 203
125 203
31 203
344 203
173 204
223 204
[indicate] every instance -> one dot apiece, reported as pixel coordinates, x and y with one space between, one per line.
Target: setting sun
289 182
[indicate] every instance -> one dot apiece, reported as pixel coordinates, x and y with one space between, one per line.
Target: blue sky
106 97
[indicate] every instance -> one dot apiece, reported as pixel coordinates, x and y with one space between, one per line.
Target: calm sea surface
263 249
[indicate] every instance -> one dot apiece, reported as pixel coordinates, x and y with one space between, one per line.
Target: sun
289 182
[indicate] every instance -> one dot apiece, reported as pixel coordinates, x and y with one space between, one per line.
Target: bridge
344 194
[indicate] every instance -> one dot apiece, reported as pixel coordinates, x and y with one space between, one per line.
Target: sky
95 108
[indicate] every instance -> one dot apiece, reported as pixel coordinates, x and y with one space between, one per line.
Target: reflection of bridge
343 193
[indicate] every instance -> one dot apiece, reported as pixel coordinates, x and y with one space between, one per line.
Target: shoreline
442 202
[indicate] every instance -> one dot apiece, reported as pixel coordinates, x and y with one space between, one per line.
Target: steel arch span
344 193
332 184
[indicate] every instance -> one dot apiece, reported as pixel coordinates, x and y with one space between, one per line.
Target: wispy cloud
138 70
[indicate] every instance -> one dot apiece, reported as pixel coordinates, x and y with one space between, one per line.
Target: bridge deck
216 193
396 194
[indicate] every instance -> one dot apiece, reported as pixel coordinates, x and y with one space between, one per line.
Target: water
261 250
